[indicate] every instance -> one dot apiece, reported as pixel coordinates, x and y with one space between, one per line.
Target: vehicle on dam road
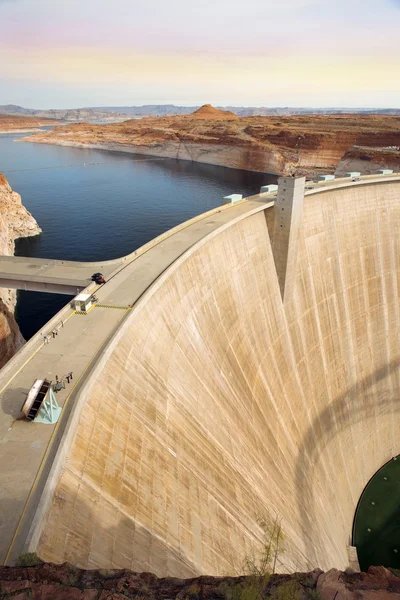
98 278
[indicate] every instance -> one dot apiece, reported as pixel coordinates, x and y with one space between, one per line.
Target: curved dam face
217 402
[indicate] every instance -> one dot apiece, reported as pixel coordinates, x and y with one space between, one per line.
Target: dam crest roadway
39 466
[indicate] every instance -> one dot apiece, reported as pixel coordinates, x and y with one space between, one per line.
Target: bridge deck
56 276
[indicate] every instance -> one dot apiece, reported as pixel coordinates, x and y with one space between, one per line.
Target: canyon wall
305 145
369 160
15 222
216 402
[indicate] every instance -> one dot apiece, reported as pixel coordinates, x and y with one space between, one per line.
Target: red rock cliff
15 222
302 144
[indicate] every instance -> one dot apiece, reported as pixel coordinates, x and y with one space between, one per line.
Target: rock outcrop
16 123
299 144
368 160
209 112
15 222
62 582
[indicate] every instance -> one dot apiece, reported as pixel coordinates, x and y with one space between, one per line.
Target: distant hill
120 113
209 112
74 114
164 110
150 110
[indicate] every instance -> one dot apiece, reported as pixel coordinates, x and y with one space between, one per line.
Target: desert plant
72 580
252 588
106 573
314 595
396 572
262 562
28 559
288 591
193 591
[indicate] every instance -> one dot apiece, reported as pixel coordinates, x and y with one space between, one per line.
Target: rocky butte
306 144
15 222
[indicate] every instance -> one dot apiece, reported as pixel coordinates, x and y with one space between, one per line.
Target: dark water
105 210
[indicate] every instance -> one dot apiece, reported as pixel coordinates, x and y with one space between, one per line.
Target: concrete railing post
288 212
232 199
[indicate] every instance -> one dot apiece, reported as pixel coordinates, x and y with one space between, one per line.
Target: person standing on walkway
67 378
70 375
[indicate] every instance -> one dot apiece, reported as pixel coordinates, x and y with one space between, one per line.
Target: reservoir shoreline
108 210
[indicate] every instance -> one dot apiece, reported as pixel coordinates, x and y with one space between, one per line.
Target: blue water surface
98 205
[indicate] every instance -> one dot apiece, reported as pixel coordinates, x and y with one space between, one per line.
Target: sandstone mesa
305 145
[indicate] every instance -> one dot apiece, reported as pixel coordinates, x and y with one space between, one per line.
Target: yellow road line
42 463
30 358
111 306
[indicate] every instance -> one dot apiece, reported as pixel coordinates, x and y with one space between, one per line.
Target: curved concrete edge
71 277
317 187
107 350
36 340
43 494
345 182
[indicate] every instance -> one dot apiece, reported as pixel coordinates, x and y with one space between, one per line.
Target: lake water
106 209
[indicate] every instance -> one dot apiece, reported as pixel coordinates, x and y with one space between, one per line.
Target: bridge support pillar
287 222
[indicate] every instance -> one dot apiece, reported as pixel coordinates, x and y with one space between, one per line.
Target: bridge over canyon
244 363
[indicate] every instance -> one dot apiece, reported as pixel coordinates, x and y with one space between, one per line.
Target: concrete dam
257 374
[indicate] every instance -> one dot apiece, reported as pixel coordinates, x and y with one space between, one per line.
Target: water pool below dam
217 400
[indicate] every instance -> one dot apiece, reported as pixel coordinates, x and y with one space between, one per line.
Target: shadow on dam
324 429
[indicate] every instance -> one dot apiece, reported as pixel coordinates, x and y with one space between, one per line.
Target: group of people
61 384
53 334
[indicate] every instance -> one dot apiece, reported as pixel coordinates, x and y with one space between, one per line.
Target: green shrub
396 572
252 588
262 562
314 595
28 559
72 580
288 591
193 591
106 573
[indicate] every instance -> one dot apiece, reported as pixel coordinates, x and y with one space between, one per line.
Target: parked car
98 278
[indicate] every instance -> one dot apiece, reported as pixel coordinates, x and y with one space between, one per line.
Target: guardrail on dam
222 397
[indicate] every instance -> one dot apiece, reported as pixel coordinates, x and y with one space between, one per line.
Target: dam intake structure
255 372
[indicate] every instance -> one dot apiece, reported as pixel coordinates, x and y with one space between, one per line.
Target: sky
320 53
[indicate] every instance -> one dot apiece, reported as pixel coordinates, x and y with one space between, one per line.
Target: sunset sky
71 53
